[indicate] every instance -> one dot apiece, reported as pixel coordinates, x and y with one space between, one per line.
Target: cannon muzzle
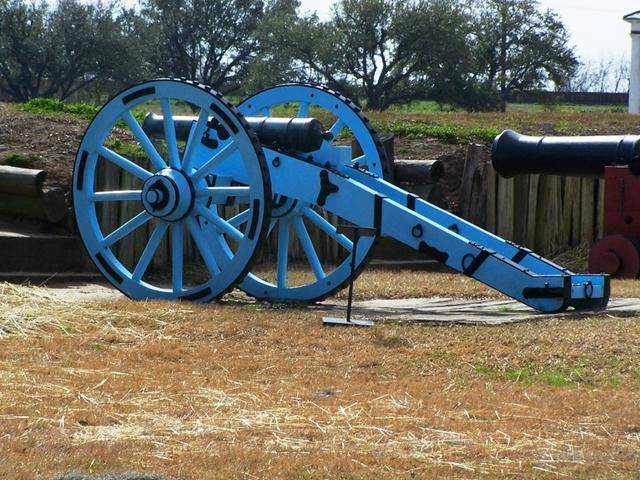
298 134
514 154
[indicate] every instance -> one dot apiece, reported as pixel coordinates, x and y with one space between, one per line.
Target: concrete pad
81 291
474 312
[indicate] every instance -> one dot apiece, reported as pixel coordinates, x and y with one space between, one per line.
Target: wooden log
532 212
559 243
548 215
575 213
50 207
417 171
21 181
600 209
474 196
521 208
570 210
469 173
587 208
505 208
492 199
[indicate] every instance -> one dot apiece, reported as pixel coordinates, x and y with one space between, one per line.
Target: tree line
461 52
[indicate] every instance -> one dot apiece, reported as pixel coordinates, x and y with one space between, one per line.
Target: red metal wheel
617 255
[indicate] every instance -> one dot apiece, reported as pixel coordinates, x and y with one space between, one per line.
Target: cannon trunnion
615 158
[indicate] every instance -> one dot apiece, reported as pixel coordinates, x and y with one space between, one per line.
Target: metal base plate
330 321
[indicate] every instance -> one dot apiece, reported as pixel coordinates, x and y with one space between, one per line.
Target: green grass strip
452 134
54 106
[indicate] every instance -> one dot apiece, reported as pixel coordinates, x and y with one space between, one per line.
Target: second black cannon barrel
298 134
513 154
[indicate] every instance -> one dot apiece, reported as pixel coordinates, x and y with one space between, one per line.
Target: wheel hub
168 195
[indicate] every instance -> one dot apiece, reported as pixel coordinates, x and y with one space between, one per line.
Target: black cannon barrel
297 134
514 154
417 171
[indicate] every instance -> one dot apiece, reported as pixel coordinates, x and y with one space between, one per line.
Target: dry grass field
243 390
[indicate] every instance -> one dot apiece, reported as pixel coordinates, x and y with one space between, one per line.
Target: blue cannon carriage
286 176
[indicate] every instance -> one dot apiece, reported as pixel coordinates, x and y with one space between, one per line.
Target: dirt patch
424 149
51 141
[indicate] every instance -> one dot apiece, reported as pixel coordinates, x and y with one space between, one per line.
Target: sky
596 26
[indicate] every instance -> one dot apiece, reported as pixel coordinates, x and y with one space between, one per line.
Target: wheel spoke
307 246
203 246
283 252
117 196
326 226
336 128
303 111
196 134
149 251
125 229
177 257
170 134
240 218
124 163
220 224
146 144
272 224
214 161
221 194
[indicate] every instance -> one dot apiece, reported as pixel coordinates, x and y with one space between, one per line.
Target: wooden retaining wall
543 212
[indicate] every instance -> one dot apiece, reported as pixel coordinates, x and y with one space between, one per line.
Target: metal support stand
355 232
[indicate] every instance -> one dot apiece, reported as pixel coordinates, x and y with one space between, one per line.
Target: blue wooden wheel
292 220
171 198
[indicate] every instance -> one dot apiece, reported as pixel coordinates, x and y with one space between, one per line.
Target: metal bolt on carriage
219 182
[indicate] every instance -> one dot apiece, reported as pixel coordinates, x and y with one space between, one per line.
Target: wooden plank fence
546 213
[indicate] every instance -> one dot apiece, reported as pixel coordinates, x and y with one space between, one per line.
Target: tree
87 45
45 52
212 41
520 47
606 75
24 52
379 48
273 63
450 63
